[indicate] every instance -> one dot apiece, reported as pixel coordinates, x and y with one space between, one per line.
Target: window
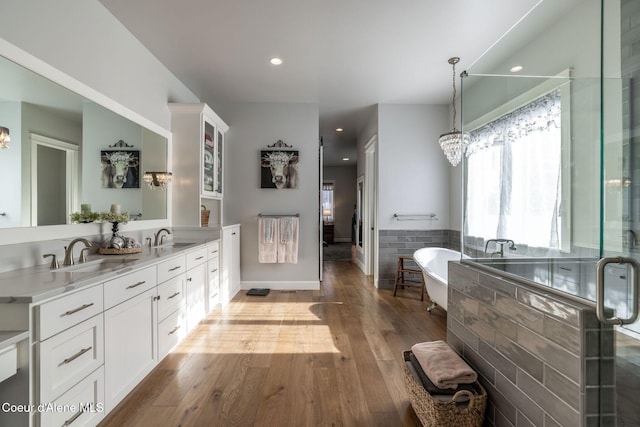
328 213
514 178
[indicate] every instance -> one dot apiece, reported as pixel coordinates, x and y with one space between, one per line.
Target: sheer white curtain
513 176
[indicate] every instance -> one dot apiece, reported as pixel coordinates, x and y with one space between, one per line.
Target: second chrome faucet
68 251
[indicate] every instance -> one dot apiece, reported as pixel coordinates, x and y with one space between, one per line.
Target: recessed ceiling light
339 130
516 68
275 61
345 158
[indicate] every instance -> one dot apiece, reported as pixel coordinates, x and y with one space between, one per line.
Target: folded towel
268 229
442 365
430 386
287 229
288 245
267 250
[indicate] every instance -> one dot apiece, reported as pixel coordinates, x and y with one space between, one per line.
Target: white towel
267 243
288 244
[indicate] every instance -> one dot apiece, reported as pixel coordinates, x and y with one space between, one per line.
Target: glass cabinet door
218 165
208 159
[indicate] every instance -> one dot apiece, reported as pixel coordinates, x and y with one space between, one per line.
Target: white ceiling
345 55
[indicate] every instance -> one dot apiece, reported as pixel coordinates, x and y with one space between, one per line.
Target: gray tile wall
393 243
541 358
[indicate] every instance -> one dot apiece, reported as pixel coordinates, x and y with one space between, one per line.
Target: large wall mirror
55 162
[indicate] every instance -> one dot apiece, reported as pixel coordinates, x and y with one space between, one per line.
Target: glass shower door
620 213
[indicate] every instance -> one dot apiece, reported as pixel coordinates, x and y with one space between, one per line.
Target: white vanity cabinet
230 266
195 283
69 355
130 330
172 321
213 275
198 140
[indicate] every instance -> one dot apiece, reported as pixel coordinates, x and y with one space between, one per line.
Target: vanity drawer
171 268
83 404
213 248
196 257
62 313
129 285
171 296
69 356
8 362
171 331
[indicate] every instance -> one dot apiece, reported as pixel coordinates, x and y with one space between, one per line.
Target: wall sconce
157 179
4 137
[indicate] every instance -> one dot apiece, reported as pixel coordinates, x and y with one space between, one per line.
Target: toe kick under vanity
78 339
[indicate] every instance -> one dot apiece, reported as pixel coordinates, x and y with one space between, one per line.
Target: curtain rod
277 215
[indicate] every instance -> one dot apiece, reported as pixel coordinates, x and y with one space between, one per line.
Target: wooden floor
308 358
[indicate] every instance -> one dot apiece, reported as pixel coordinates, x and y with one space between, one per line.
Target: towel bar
277 215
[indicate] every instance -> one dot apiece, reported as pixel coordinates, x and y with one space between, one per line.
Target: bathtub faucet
499 246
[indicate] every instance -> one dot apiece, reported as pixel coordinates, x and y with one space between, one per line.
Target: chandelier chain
453 100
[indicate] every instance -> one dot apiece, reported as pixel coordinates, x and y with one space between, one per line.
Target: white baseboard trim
311 285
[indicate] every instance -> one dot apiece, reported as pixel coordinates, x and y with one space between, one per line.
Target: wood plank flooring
307 358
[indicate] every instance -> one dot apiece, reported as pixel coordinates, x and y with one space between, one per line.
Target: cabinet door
230 277
208 159
219 162
130 331
195 296
213 282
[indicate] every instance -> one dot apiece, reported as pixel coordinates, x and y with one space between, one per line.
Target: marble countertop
36 284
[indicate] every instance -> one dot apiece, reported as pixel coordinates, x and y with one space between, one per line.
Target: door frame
371 208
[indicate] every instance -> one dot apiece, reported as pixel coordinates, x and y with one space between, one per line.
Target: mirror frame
33 234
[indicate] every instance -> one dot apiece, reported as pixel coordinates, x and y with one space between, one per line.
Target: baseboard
311 285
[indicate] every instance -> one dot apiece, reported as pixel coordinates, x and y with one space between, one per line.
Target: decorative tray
121 251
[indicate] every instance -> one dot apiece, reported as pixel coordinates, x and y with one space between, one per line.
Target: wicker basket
441 413
204 216
121 251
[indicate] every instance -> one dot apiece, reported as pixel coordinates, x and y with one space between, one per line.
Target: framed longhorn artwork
279 169
120 168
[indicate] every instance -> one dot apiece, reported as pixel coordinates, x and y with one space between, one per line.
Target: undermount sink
102 264
175 245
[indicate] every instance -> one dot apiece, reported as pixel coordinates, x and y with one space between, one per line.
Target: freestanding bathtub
434 265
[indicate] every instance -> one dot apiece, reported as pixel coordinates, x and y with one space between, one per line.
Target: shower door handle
600 309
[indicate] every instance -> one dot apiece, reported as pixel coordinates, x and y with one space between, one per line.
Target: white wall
413 173
344 178
252 127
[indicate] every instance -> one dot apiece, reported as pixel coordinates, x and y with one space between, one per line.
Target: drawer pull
75 310
72 419
214 271
174 295
175 268
174 330
75 356
199 258
135 285
214 252
189 279
565 268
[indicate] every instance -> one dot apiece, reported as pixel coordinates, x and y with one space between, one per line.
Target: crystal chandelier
453 142
4 137
157 179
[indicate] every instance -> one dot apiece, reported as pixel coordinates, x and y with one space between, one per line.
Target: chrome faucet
68 251
499 246
159 238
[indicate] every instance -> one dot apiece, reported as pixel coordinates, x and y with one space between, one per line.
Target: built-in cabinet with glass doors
198 156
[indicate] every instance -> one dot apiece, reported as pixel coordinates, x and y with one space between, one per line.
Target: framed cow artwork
279 169
120 168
